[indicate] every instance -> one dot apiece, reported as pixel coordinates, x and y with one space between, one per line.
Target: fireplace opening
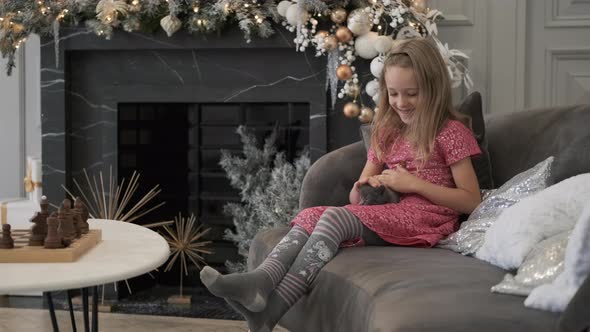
178 147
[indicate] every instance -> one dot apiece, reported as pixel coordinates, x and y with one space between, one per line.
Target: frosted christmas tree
269 189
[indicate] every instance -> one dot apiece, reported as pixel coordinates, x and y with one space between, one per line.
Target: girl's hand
372 181
399 179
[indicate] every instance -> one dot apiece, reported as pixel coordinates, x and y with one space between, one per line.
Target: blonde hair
435 101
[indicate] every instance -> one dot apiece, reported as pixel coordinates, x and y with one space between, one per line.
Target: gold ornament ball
351 110
17 28
419 5
321 34
338 15
343 34
344 72
330 42
366 115
353 90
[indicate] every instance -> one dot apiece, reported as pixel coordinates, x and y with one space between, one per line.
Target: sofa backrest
518 141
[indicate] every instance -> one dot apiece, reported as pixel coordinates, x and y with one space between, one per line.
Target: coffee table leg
95 309
72 318
85 309
51 311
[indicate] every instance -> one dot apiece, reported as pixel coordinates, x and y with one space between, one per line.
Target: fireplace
178 146
165 106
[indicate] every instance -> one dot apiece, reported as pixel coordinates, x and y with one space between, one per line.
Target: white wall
558 52
11 122
32 97
524 53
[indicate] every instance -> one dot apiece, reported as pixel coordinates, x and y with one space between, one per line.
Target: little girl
416 126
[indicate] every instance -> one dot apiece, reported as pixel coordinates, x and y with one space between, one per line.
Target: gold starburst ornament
114 201
186 243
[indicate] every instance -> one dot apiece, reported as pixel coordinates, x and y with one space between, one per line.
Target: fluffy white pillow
533 219
556 295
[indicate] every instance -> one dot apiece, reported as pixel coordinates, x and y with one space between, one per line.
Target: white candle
36 176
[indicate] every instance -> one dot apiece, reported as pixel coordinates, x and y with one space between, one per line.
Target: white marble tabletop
126 250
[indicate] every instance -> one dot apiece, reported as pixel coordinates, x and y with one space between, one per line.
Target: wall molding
506 60
465 18
554 18
22 108
520 21
553 57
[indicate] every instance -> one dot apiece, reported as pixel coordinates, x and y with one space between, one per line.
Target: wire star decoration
185 241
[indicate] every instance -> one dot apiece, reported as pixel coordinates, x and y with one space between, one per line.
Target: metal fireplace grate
178 146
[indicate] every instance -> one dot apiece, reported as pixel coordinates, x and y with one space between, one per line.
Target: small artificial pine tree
269 189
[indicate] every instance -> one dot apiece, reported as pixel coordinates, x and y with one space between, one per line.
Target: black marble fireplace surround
89 80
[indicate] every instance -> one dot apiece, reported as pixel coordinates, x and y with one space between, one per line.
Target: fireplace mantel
85 79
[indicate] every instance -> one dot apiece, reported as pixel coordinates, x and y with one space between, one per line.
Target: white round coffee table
126 250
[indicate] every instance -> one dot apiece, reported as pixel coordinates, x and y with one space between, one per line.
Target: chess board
23 253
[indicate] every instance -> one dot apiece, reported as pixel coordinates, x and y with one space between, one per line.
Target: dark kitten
378 195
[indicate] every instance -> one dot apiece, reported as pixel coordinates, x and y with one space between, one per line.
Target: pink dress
414 221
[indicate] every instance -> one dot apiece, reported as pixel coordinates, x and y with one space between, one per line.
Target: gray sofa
413 289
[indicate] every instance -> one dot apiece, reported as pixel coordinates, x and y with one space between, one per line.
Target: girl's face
402 91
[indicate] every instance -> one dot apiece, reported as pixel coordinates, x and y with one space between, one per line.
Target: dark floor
152 301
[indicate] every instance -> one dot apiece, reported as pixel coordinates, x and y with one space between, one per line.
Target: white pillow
556 295
533 219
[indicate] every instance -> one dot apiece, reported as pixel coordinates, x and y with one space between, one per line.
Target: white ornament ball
283 6
383 44
377 66
364 45
372 88
359 22
296 15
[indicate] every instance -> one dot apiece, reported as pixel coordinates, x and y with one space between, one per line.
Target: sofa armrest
575 318
329 180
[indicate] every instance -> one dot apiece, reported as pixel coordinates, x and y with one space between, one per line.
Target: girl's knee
335 212
334 209
311 212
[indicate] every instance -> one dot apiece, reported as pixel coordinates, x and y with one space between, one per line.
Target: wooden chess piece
39 229
77 223
75 220
82 211
66 222
6 241
53 240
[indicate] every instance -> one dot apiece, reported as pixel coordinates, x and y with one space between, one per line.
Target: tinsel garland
331 78
354 28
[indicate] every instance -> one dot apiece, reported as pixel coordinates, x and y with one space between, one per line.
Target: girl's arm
367 174
464 198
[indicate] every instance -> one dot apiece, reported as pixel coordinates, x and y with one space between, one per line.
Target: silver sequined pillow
469 238
541 266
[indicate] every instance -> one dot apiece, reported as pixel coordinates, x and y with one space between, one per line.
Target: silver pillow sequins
469 238
541 266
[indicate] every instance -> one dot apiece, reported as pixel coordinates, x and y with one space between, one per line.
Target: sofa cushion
404 289
472 107
575 316
519 140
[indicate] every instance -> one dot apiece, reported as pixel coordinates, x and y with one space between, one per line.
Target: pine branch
269 188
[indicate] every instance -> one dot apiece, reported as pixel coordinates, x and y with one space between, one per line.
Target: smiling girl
416 126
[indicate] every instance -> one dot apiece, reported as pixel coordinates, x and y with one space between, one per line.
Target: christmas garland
342 30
